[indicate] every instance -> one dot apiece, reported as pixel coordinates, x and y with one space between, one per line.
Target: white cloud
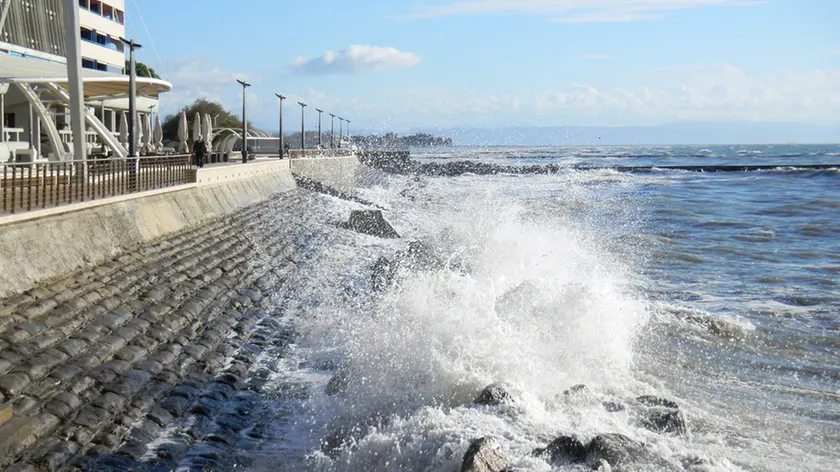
193 78
355 59
715 93
574 11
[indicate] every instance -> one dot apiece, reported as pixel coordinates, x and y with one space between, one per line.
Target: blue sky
484 63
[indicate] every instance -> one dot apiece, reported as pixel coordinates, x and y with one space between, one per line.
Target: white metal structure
33 67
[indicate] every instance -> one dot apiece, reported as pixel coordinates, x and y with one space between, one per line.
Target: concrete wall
54 244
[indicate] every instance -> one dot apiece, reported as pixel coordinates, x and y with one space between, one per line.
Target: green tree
142 70
224 118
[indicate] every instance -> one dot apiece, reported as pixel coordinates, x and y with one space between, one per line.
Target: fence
29 186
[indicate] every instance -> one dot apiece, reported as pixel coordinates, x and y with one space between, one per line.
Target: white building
33 79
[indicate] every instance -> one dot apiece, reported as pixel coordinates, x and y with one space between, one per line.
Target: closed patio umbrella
158 141
208 132
182 133
196 127
124 129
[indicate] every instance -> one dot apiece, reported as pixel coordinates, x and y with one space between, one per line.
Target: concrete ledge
230 171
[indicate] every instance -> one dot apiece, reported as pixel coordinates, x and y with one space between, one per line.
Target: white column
72 40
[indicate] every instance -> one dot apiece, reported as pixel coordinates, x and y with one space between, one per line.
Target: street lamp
302 136
332 131
319 125
348 129
132 96
281 123
244 123
340 132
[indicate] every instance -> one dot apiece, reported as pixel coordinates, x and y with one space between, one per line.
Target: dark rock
176 405
338 383
493 394
563 450
613 407
651 400
110 401
13 384
662 420
617 450
371 222
484 455
92 417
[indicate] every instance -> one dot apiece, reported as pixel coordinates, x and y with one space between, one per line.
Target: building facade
33 67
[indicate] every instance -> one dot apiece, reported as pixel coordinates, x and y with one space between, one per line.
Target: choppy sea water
718 291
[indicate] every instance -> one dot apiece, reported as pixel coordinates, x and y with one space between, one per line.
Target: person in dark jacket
200 151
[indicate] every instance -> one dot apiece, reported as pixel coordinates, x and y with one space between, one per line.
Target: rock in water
493 394
661 415
563 450
371 222
617 450
484 456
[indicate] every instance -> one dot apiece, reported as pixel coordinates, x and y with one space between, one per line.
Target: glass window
101 39
95 6
84 4
88 63
101 66
87 35
119 16
107 11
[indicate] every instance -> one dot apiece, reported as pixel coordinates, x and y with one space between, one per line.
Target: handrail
26 186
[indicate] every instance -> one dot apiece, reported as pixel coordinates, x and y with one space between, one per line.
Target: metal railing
33 185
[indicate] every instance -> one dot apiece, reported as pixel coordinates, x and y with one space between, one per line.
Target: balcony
104 10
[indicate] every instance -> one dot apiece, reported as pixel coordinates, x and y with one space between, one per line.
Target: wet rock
371 222
617 450
493 394
176 405
92 417
613 407
338 383
563 450
650 400
484 455
661 415
111 402
663 420
13 384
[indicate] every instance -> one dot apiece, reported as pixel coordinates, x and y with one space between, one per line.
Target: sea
717 291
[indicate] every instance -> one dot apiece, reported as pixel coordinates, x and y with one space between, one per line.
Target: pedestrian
200 150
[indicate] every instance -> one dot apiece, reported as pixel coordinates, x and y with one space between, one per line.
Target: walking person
200 150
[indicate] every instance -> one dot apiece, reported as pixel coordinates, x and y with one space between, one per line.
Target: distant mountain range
672 134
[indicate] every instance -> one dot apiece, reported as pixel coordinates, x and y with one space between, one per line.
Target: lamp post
281 123
302 135
348 129
132 96
332 131
244 123
319 125
340 132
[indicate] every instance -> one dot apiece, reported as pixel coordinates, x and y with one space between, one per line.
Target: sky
408 65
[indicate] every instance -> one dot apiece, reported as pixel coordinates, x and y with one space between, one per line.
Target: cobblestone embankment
96 365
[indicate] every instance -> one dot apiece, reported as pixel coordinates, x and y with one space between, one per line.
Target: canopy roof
15 69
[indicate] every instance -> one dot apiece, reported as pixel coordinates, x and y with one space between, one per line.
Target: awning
15 69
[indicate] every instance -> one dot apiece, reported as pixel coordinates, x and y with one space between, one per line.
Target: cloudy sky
388 64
